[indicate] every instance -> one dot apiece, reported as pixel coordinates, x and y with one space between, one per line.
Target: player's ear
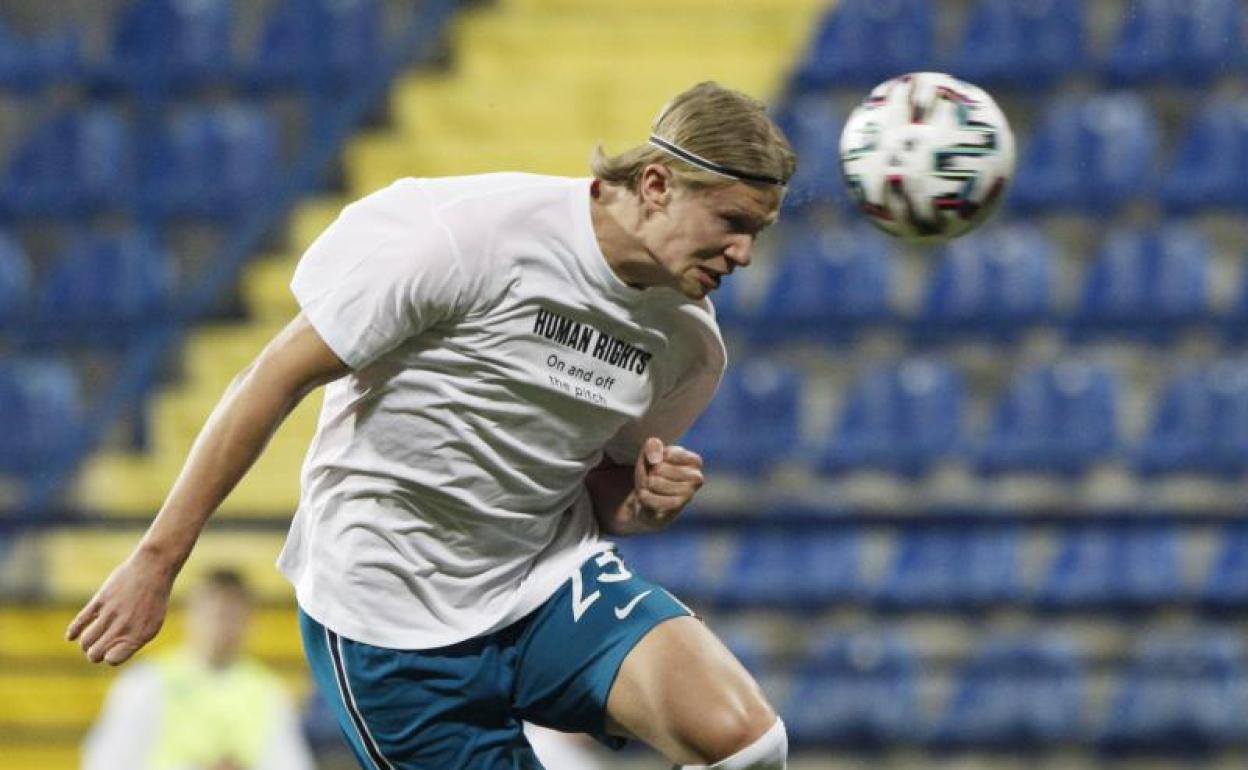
655 187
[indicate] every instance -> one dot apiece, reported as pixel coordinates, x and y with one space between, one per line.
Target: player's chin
698 283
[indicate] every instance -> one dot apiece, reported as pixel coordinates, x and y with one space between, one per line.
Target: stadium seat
41 410
73 164
213 163
856 689
106 287
953 567
902 417
754 420
1183 41
1053 419
990 284
1226 584
1146 283
1200 424
1021 43
15 280
784 569
1212 150
1017 690
828 284
323 44
28 64
1089 155
1106 565
813 126
161 45
1182 692
679 561
864 42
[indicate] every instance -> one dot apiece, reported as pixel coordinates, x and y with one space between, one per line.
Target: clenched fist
665 479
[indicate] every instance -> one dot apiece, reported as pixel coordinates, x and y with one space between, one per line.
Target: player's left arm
648 496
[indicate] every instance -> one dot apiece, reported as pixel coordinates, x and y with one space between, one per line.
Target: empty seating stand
903 418
857 689
1017 690
1054 419
1021 43
993 285
864 42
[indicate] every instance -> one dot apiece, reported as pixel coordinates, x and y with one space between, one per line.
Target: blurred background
981 506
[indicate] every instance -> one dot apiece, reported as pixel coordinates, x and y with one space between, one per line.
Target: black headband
714 168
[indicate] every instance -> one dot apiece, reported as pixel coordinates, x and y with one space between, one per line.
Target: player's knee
768 751
729 732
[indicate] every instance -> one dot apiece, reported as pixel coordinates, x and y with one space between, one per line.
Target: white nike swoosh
627 609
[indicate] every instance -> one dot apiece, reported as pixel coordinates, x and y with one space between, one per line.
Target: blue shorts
460 707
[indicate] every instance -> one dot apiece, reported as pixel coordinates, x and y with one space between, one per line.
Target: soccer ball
927 157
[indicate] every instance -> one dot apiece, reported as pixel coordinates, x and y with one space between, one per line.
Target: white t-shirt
495 356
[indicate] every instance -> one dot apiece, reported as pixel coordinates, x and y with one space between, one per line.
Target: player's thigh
682 691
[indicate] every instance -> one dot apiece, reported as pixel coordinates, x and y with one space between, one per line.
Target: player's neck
617 218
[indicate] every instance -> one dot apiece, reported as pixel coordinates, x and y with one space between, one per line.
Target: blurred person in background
203 706
510 359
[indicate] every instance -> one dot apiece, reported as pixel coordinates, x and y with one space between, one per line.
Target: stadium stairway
535 85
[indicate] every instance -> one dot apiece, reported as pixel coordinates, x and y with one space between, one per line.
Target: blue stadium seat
991 284
75 163
324 44
1053 419
28 64
160 45
1206 170
1091 155
813 125
15 280
856 689
106 287
950 567
754 420
1021 43
828 283
1114 565
903 417
213 163
864 42
1226 584
1200 424
1146 283
1183 691
1021 689
783 569
1177 40
678 560
41 410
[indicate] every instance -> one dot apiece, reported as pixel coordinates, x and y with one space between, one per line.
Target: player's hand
665 479
126 612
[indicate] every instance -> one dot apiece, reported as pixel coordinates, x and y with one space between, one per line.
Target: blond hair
726 127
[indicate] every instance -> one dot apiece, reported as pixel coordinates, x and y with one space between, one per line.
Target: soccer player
508 359
203 705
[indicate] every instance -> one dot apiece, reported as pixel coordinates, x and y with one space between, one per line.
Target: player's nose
740 251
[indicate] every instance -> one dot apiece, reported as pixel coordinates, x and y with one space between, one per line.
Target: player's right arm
130 606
